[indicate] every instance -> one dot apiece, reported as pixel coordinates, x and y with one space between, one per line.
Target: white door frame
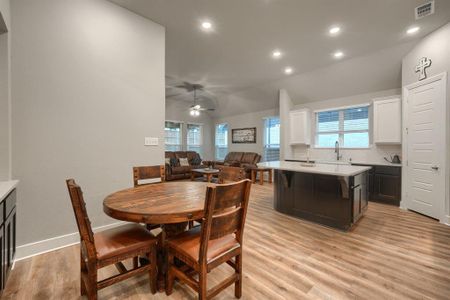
444 216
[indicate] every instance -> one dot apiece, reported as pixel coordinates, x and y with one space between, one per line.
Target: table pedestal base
167 231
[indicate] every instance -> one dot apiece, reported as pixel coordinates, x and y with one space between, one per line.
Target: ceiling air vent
424 10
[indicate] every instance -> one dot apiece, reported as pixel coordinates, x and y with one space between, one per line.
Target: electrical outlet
151 141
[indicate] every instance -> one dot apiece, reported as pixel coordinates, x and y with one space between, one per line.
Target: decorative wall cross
424 63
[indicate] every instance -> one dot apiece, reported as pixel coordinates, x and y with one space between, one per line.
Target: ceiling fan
194 109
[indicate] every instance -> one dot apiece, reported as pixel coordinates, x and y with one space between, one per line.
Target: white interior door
426 145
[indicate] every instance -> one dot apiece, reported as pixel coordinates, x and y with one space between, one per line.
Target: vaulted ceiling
235 56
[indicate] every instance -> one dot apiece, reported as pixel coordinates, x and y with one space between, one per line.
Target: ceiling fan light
192 112
196 113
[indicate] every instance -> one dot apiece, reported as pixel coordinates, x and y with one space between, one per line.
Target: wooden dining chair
218 240
230 174
147 172
110 247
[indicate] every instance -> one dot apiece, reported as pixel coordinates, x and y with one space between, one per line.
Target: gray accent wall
5 91
87 86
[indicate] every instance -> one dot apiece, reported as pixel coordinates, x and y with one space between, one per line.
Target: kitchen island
329 194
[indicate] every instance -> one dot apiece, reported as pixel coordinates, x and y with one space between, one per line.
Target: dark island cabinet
330 200
7 236
385 184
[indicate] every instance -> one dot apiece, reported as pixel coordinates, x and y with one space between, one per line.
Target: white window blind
221 141
194 138
272 139
350 127
173 136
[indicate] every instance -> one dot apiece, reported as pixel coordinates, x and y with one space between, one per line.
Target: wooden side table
261 174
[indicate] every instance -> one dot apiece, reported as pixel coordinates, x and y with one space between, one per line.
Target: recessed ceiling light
276 54
413 30
206 25
338 54
335 30
288 70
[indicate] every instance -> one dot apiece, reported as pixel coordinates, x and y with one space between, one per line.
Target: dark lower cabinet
2 257
387 189
7 236
385 184
10 241
329 200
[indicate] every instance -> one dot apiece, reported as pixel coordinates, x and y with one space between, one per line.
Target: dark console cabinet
385 184
7 236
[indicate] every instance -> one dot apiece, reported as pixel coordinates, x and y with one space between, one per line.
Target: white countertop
6 187
326 169
359 162
385 163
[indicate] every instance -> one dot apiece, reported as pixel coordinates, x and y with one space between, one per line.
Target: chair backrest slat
147 172
228 196
225 212
79 208
231 174
226 223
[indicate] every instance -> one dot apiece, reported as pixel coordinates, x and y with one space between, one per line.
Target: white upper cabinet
387 121
300 127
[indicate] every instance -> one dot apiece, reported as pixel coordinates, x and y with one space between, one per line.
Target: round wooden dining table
169 204
159 203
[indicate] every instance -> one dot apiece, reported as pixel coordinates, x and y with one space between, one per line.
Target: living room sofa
246 160
174 164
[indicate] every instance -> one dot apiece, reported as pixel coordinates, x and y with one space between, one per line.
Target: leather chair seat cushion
188 243
120 240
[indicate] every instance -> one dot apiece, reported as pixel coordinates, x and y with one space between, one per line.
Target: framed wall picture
243 136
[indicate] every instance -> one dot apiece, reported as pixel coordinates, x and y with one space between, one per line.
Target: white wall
87 86
374 153
178 111
5 92
435 46
286 106
248 120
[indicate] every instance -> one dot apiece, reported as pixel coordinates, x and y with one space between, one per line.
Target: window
173 136
194 138
221 141
272 139
350 127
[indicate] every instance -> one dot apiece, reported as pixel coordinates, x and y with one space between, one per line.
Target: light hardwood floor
390 254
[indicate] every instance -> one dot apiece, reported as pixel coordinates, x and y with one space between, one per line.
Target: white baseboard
445 220
40 247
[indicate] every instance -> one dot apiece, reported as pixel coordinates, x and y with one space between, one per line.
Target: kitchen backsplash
374 154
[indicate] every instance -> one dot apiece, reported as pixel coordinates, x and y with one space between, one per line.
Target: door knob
435 168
